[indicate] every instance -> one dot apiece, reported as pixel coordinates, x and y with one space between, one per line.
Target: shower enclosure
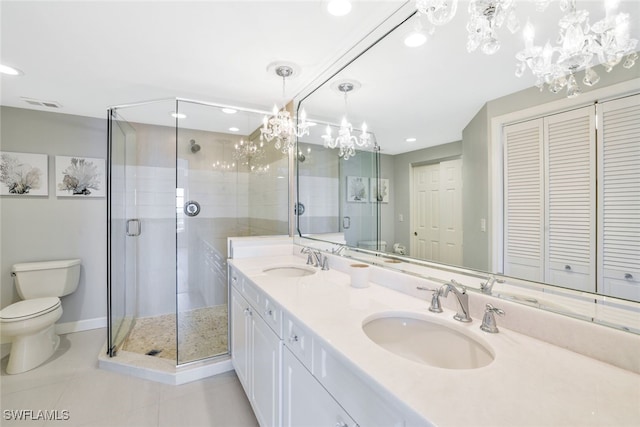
182 180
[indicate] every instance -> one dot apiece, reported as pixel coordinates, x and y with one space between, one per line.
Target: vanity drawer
272 314
365 405
298 339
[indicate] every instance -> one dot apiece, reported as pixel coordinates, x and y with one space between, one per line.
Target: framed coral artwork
357 189
80 177
23 174
380 194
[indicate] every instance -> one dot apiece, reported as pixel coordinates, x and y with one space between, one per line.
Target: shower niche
181 181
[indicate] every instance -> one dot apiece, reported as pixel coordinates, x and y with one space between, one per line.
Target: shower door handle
133 230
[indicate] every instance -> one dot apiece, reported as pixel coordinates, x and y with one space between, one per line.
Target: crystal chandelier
485 17
579 44
281 127
346 141
245 152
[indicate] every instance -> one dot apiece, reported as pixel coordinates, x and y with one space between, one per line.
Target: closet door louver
570 209
524 200
619 196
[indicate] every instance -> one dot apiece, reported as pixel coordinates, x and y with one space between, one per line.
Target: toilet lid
29 308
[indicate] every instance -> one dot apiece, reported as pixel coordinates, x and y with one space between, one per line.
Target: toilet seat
28 309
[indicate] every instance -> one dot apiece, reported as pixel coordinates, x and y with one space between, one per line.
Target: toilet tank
47 278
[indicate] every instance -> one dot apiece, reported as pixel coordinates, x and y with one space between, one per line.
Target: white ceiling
89 55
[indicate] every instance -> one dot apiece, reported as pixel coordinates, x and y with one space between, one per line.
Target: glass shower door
123 225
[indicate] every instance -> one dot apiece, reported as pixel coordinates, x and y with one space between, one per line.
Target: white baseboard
61 329
81 325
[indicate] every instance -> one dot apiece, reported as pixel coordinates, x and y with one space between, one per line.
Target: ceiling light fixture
10 71
346 141
234 129
415 39
178 115
339 7
411 140
281 127
229 110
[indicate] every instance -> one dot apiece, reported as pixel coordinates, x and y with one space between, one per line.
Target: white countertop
530 382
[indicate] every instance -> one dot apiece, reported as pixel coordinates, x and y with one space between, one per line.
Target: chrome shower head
195 147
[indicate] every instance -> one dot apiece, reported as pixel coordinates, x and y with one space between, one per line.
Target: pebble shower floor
202 333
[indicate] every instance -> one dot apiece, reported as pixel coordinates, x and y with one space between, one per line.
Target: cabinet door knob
628 276
341 424
268 312
247 311
567 267
293 338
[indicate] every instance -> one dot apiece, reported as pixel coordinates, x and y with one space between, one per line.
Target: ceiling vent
40 103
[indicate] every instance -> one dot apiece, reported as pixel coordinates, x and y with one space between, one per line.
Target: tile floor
71 381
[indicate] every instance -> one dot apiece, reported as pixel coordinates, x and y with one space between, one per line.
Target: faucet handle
435 306
325 263
489 320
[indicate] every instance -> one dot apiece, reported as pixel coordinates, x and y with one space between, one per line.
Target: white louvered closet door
619 195
524 200
570 217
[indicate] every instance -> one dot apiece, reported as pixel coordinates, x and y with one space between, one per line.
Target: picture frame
379 194
24 174
80 177
357 189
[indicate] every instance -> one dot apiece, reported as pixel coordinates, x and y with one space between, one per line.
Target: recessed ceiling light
10 71
178 115
311 124
339 7
411 139
234 129
229 111
415 39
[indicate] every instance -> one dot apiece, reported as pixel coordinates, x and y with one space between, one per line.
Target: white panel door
451 212
425 215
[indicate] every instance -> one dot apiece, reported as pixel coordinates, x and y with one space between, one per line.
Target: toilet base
30 351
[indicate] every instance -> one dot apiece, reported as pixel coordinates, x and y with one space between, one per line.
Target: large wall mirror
436 176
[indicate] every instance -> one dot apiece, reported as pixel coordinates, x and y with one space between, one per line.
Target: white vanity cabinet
256 351
305 402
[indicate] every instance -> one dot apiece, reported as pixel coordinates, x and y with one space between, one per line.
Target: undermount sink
289 271
414 337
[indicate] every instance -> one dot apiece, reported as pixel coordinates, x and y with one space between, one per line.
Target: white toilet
31 323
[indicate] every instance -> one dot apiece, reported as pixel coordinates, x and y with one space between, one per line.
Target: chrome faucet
487 286
315 258
435 306
489 319
463 300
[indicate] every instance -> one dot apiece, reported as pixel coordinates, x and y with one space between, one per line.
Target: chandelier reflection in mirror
248 152
223 165
346 141
579 45
281 127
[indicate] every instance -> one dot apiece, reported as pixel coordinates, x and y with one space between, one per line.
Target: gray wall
49 228
475 192
401 183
